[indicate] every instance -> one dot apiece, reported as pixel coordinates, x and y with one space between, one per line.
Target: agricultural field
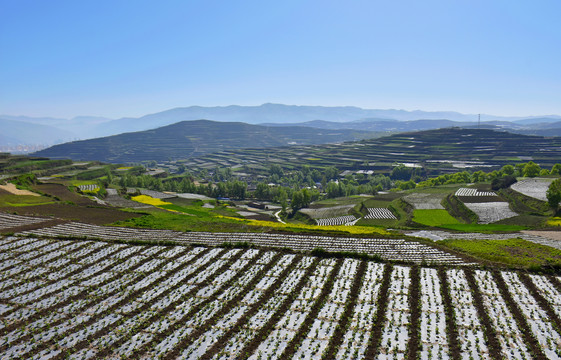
494 149
490 212
86 299
425 200
434 217
327 212
535 188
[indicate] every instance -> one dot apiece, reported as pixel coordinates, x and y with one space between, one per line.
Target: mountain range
333 118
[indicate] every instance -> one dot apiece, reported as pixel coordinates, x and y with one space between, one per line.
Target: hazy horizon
304 105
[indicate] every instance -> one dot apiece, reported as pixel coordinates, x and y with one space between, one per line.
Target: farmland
86 299
108 262
438 151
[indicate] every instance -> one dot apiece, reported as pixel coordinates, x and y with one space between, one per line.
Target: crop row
380 213
339 220
536 188
490 212
89 187
473 192
10 220
95 300
389 249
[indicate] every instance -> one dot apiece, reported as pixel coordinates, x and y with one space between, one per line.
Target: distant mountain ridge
337 117
18 132
188 139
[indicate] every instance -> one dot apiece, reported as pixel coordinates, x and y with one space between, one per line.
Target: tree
276 169
401 172
553 194
556 169
531 169
502 182
297 201
508 169
479 176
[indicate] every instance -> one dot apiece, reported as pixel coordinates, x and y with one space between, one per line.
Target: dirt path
553 235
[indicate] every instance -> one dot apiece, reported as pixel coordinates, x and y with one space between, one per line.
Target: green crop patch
24 200
434 217
512 252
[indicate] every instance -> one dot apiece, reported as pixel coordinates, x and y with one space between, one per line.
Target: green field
512 252
23 200
434 218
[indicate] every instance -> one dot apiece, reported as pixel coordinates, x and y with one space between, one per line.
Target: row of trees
300 186
529 169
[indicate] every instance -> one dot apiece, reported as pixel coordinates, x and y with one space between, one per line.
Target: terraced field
493 149
535 188
85 299
388 249
490 212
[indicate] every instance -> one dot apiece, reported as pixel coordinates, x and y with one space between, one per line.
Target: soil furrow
542 301
66 276
16 253
183 344
223 340
262 334
304 329
339 333
81 295
138 353
380 320
415 311
53 342
451 328
50 260
135 294
34 226
7 240
523 326
488 328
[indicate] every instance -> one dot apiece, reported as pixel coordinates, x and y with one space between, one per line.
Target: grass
222 219
24 200
351 200
554 221
377 222
82 182
435 218
376 203
512 252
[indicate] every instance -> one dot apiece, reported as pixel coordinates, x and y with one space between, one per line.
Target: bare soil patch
90 215
61 192
11 188
553 235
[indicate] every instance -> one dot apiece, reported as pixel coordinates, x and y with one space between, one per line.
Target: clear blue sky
129 58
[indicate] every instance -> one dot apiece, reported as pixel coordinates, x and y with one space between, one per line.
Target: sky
129 58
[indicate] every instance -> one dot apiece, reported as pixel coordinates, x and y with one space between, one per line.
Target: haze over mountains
50 131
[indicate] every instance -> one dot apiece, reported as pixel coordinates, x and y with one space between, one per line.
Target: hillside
442 150
188 139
